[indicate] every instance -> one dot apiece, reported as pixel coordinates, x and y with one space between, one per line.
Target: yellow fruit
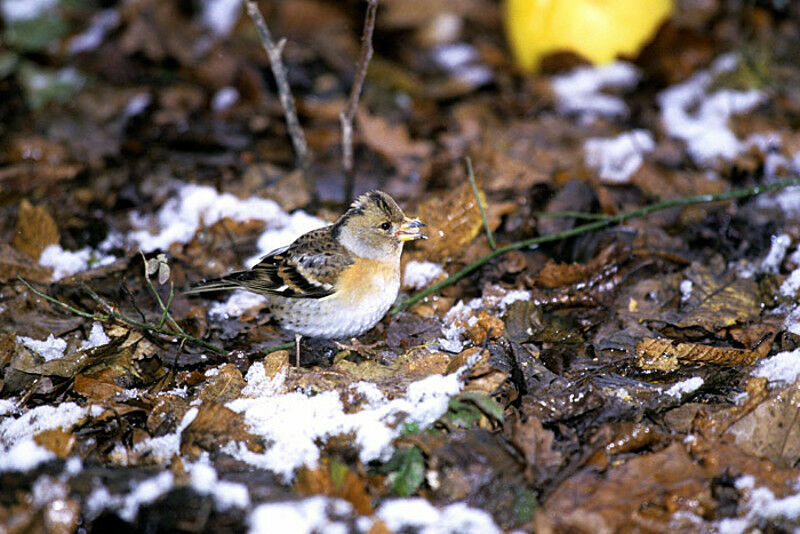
598 30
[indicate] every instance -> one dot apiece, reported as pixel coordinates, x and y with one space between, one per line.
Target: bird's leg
297 348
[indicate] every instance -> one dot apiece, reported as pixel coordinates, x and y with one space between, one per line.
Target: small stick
115 316
596 225
573 215
481 207
274 51
348 114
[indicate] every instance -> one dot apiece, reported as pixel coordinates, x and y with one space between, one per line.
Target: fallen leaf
35 230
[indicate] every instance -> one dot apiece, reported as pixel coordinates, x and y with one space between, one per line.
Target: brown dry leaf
335 480
166 413
14 263
215 426
453 221
35 229
276 363
225 386
486 325
717 301
536 444
555 274
663 354
420 362
668 481
97 388
392 142
57 441
771 430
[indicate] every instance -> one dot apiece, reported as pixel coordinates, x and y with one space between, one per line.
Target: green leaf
338 472
462 414
407 470
524 505
36 34
409 429
41 85
485 403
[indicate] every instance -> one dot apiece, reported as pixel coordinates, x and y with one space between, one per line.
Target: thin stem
115 316
573 215
276 348
166 308
349 112
274 51
588 227
481 207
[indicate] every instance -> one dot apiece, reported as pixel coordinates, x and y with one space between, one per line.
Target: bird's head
375 227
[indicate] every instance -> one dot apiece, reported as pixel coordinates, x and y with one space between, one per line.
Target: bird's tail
237 280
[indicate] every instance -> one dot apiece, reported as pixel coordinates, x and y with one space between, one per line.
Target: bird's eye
386 226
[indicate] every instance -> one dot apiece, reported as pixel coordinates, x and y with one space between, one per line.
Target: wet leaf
407 471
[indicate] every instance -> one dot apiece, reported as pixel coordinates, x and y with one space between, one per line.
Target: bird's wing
308 268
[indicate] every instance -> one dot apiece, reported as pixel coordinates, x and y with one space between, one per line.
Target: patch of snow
51 348
14 10
792 321
294 423
777 251
224 98
221 15
180 217
618 158
203 479
101 23
135 106
237 303
700 119
7 406
418 514
579 92
145 492
760 506
783 367
419 274
685 387
24 455
371 393
686 290
461 59
299 517
791 284
66 262
163 448
259 385
97 337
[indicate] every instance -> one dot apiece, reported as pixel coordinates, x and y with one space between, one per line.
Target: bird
333 282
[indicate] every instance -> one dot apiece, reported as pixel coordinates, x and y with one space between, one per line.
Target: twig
276 348
113 315
573 215
588 227
274 51
164 309
348 114
481 207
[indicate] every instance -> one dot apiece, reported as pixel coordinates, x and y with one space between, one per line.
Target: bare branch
348 114
274 51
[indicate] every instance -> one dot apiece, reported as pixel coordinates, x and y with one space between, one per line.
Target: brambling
336 281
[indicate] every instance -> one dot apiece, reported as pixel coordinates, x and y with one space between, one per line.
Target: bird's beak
410 230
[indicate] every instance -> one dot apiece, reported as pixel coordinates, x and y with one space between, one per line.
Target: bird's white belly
338 315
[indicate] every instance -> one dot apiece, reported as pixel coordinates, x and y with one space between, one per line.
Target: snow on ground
685 387
419 274
691 113
293 423
50 349
580 91
760 505
618 158
68 262
783 367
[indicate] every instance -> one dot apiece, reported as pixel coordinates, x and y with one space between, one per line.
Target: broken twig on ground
349 112
588 227
481 207
274 51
